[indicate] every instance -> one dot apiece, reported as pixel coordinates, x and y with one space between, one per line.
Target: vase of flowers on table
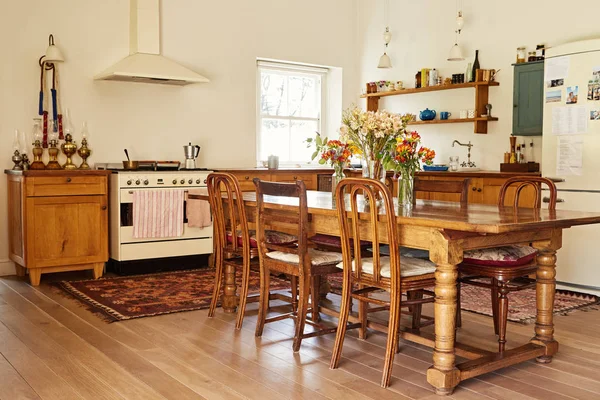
334 152
406 157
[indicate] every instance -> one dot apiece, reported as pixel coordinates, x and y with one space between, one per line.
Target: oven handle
184 192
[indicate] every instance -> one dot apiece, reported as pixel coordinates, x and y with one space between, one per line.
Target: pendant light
456 51
384 60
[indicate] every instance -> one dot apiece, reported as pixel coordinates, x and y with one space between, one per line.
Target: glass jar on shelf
532 56
454 163
521 55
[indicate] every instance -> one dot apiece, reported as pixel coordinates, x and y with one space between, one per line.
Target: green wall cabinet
528 98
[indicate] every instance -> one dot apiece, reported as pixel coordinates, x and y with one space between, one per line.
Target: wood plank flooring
53 348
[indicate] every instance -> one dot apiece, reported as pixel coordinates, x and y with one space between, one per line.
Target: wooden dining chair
505 269
363 276
234 244
302 263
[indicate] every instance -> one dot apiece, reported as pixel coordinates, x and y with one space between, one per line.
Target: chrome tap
469 163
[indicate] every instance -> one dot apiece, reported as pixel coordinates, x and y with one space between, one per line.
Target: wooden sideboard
58 221
484 186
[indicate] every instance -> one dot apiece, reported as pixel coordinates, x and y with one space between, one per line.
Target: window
291 101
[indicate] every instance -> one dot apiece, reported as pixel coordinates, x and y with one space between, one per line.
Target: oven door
126 222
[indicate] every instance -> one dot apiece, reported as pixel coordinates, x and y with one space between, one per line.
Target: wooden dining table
447 230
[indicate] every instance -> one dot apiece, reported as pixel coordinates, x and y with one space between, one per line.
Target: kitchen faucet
469 163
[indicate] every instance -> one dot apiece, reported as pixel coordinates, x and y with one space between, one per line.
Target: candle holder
17 159
53 155
25 162
37 151
69 148
84 152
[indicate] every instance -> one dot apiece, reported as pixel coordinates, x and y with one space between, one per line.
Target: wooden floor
52 348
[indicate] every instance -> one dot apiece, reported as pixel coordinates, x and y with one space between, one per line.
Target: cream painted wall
423 33
219 39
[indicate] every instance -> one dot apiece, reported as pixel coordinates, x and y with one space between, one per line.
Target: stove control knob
174 181
182 181
146 182
197 181
191 181
129 182
137 182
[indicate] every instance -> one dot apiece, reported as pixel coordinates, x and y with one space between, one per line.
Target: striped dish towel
157 213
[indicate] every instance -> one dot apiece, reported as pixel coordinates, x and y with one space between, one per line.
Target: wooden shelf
452 121
481 99
430 89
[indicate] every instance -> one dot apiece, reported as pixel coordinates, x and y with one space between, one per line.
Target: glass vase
406 182
336 178
373 169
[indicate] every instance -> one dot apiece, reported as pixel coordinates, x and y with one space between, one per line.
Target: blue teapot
427 115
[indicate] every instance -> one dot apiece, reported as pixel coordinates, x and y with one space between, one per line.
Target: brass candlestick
37 151
53 155
69 148
84 152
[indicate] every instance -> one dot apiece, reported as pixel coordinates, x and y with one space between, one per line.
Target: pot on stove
191 152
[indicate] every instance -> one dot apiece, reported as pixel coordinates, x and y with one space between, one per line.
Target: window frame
290 68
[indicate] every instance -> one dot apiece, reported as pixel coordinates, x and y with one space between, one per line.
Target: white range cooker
123 246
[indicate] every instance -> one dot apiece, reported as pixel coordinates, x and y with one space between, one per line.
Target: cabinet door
309 178
245 179
491 191
66 230
528 99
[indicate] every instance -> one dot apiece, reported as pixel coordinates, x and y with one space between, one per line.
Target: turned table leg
229 300
545 289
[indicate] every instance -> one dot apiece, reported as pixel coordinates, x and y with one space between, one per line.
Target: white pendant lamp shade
384 61
53 53
455 53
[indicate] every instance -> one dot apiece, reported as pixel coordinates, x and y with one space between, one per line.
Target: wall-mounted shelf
481 99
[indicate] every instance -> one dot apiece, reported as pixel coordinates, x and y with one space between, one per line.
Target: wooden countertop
474 174
58 172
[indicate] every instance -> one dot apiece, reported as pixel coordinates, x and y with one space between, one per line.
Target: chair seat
505 256
273 237
334 241
316 257
405 252
409 266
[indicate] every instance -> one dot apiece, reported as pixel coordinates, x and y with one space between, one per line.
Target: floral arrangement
372 134
408 154
334 152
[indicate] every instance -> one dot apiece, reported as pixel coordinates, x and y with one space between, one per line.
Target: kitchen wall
218 39
423 33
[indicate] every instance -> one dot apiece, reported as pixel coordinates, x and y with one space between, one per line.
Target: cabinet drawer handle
68 179
295 178
246 177
479 190
103 207
474 189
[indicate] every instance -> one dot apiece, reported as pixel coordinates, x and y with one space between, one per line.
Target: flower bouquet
334 152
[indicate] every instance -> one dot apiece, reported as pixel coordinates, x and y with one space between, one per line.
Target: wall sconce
53 53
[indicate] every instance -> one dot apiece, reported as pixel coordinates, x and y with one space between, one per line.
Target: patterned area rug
521 305
123 298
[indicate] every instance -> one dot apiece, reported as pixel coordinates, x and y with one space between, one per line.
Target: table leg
545 289
229 299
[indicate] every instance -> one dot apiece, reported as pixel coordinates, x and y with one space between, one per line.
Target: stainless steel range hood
145 63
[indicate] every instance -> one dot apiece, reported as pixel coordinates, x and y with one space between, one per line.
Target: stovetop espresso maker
191 152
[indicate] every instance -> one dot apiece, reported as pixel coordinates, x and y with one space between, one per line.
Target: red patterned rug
123 298
521 305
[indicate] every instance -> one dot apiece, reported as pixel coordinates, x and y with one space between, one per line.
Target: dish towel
157 213
198 211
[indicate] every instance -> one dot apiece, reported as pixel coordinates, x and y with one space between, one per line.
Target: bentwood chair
234 244
363 276
505 269
302 263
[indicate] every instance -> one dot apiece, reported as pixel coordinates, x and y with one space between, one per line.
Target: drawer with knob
65 185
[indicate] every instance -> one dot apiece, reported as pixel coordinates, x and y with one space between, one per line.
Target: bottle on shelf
475 67
518 154
469 73
540 52
418 80
531 157
524 155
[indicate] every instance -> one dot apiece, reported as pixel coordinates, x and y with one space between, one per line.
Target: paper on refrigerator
569 158
569 120
557 68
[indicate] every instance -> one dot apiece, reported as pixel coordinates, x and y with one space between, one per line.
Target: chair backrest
439 186
266 215
229 215
358 213
522 182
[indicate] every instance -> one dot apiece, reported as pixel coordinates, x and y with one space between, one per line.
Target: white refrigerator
571 155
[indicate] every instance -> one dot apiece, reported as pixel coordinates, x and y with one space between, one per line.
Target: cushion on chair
505 256
273 237
316 257
404 251
334 241
409 266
